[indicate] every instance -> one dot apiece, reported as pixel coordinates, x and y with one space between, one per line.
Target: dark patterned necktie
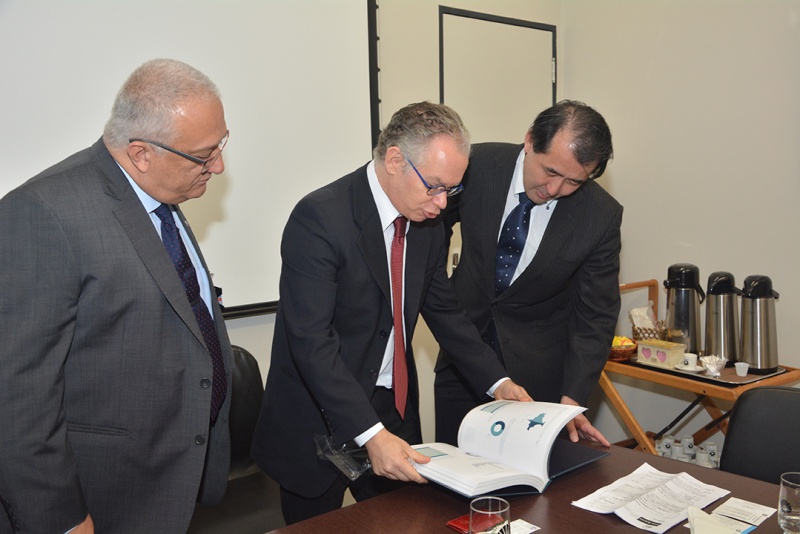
183 265
399 368
511 242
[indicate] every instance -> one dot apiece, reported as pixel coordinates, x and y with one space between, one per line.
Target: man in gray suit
114 366
550 317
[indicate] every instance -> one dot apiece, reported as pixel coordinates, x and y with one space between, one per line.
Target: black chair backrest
247 390
763 434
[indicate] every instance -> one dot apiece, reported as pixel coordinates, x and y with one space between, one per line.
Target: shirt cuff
496 385
364 437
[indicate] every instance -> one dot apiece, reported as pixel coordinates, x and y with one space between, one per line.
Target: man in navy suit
114 399
334 356
552 321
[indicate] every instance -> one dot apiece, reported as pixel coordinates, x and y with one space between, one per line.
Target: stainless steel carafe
684 296
759 334
722 316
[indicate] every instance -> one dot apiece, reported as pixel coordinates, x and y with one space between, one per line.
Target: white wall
702 99
701 96
294 82
254 334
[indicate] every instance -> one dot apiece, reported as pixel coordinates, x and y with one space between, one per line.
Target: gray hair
146 104
414 126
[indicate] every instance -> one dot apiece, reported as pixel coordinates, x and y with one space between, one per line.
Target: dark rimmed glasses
205 163
439 189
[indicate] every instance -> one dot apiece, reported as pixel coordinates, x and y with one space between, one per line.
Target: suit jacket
556 321
333 324
105 406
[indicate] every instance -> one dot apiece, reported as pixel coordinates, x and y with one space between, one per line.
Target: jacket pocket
91 429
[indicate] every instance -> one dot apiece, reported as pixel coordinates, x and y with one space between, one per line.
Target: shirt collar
386 210
149 203
518 182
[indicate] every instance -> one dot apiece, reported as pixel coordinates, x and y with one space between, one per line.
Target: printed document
650 499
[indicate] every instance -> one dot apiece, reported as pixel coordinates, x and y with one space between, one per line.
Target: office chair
252 500
247 390
763 433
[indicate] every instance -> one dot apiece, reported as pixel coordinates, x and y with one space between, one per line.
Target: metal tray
727 377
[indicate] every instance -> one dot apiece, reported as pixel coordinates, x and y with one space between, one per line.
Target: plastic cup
488 514
789 503
741 368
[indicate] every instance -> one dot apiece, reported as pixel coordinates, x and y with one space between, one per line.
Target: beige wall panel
497 76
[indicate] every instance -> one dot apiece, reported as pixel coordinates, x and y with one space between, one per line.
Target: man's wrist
496 385
368 434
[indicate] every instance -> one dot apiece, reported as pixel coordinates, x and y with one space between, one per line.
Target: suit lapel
370 241
216 312
418 244
499 173
560 230
137 225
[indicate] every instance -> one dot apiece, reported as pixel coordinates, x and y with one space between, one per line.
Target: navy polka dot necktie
511 242
183 265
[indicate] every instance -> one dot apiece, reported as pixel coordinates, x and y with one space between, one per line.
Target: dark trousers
297 508
453 398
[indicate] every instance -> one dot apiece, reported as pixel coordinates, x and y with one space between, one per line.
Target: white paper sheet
650 499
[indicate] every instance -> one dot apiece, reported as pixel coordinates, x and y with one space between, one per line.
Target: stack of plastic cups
703 459
713 454
687 444
665 446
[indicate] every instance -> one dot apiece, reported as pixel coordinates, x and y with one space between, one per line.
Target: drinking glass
789 503
489 515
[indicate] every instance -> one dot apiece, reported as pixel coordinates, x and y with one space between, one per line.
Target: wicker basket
622 354
659 332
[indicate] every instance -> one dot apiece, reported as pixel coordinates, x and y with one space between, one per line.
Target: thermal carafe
759 334
722 316
684 296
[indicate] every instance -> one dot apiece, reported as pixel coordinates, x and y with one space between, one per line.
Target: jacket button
199 439
384 334
373 373
205 383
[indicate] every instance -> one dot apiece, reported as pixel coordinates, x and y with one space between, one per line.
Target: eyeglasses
439 189
206 163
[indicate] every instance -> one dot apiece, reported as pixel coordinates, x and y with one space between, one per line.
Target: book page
518 434
466 473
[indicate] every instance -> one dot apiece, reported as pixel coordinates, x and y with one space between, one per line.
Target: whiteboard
294 78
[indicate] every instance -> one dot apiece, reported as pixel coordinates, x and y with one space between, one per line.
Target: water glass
789 503
489 515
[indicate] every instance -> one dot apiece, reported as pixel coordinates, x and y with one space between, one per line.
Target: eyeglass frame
205 163
439 189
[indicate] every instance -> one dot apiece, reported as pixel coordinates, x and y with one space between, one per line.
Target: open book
504 444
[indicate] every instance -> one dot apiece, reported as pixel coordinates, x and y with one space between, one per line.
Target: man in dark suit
550 318
342 363
114 386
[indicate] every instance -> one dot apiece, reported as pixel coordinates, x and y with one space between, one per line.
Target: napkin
703 523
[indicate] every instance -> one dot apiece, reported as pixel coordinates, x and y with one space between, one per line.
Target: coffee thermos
684 296
722 316
759 335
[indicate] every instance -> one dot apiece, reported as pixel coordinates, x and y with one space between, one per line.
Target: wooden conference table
426 509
